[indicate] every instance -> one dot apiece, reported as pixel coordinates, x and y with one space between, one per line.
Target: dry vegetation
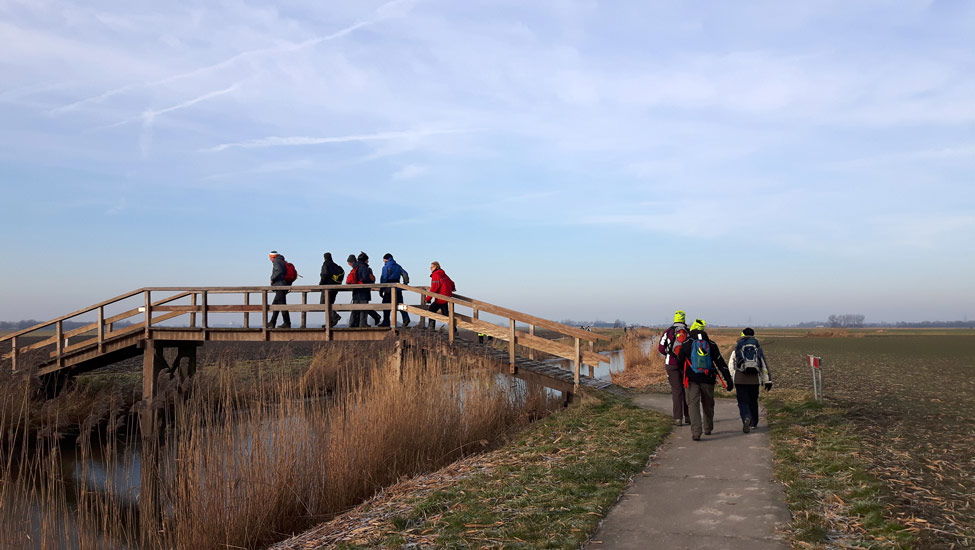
900 403
251 454
645 369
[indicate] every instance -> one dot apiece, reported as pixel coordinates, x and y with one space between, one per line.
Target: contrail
149 115
382 12
275 141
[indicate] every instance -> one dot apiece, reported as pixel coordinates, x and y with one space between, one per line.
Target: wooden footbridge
148 321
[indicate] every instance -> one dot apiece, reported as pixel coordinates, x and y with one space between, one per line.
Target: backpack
671 346
406 277
290 273
338 276
748 356
700 360
449 283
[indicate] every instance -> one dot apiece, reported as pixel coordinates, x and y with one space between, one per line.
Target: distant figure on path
360 274
392 273
669 346
440 283
331 274
747 362
701 360
279 274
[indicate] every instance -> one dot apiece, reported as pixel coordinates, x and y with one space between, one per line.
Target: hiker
702 361
360 274
392 273
747 362
331 274
279 277
440 283
669 346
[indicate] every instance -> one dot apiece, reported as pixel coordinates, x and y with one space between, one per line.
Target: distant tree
847 320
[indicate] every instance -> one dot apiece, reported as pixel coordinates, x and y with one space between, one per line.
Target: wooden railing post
264 313
451 321
393 305
578 365
247 315
531 351
193 315
13 353
148 308
60 345
304 314
328 316
511 345
101 329
204 322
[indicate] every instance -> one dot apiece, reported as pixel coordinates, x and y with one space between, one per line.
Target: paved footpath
716 493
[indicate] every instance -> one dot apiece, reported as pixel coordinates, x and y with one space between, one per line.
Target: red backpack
290 273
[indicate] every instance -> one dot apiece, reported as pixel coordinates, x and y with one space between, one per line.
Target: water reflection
602 371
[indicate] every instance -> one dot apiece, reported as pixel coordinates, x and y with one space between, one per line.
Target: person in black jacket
332 274
361 274
278 273
702 362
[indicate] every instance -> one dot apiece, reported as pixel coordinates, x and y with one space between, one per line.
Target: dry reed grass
249 456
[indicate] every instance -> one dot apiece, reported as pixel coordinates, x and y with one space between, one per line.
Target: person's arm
720 364
384 275
765 376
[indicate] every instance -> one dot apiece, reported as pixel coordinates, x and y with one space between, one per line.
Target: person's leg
281 297
335 316
356 318
694 406
677 395
399 300
753 403
707 403
387 299
742 395
374 315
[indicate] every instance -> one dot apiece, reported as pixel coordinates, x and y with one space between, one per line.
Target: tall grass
249 456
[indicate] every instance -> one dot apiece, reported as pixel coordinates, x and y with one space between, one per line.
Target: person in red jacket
440 283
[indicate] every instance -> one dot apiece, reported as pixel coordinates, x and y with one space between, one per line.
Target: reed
248 456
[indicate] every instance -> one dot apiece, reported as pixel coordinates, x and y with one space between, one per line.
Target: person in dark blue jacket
278 273
392 273
702 363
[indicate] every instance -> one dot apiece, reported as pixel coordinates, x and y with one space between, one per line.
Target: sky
754 162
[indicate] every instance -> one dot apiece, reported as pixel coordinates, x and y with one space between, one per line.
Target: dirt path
717 493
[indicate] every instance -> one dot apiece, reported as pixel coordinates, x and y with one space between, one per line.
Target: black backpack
748 355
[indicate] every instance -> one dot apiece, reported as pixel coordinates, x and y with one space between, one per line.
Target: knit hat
387 256
272 253
699 324
327 256
351 259
679 316
748 332
363 257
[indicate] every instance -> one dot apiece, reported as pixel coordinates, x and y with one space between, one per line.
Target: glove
768 386
731 385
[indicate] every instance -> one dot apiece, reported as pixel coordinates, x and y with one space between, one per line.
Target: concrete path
716 493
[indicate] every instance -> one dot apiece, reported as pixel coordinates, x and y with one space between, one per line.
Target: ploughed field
911 396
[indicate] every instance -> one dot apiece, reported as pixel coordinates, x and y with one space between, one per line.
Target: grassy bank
834 499
547 489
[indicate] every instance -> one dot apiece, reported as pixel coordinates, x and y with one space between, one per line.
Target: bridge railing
194 308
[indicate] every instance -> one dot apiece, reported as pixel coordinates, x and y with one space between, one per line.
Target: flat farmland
911 397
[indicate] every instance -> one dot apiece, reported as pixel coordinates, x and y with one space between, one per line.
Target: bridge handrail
509 333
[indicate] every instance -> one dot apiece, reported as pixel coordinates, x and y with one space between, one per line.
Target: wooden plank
182 309
509 313
73 314
247 316
531 351
512 338
93 343
577 363
193 305
451 322
204 321
304 313
60 344
264 319
101 328
13 353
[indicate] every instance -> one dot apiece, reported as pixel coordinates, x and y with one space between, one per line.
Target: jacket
762 377
716 360
361 274
440 284
392 272
665 346
278 272
331 273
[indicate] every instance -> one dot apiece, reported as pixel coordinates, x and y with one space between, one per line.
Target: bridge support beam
154 362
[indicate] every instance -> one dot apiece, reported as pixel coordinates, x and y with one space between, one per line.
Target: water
603 370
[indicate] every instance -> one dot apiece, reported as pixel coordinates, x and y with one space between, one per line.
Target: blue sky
749 162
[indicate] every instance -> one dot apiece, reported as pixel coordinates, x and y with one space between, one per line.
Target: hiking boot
746 425
406 323
687 420
285 325
707 432
696 437
677 422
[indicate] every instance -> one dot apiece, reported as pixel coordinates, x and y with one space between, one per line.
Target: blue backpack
700 361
